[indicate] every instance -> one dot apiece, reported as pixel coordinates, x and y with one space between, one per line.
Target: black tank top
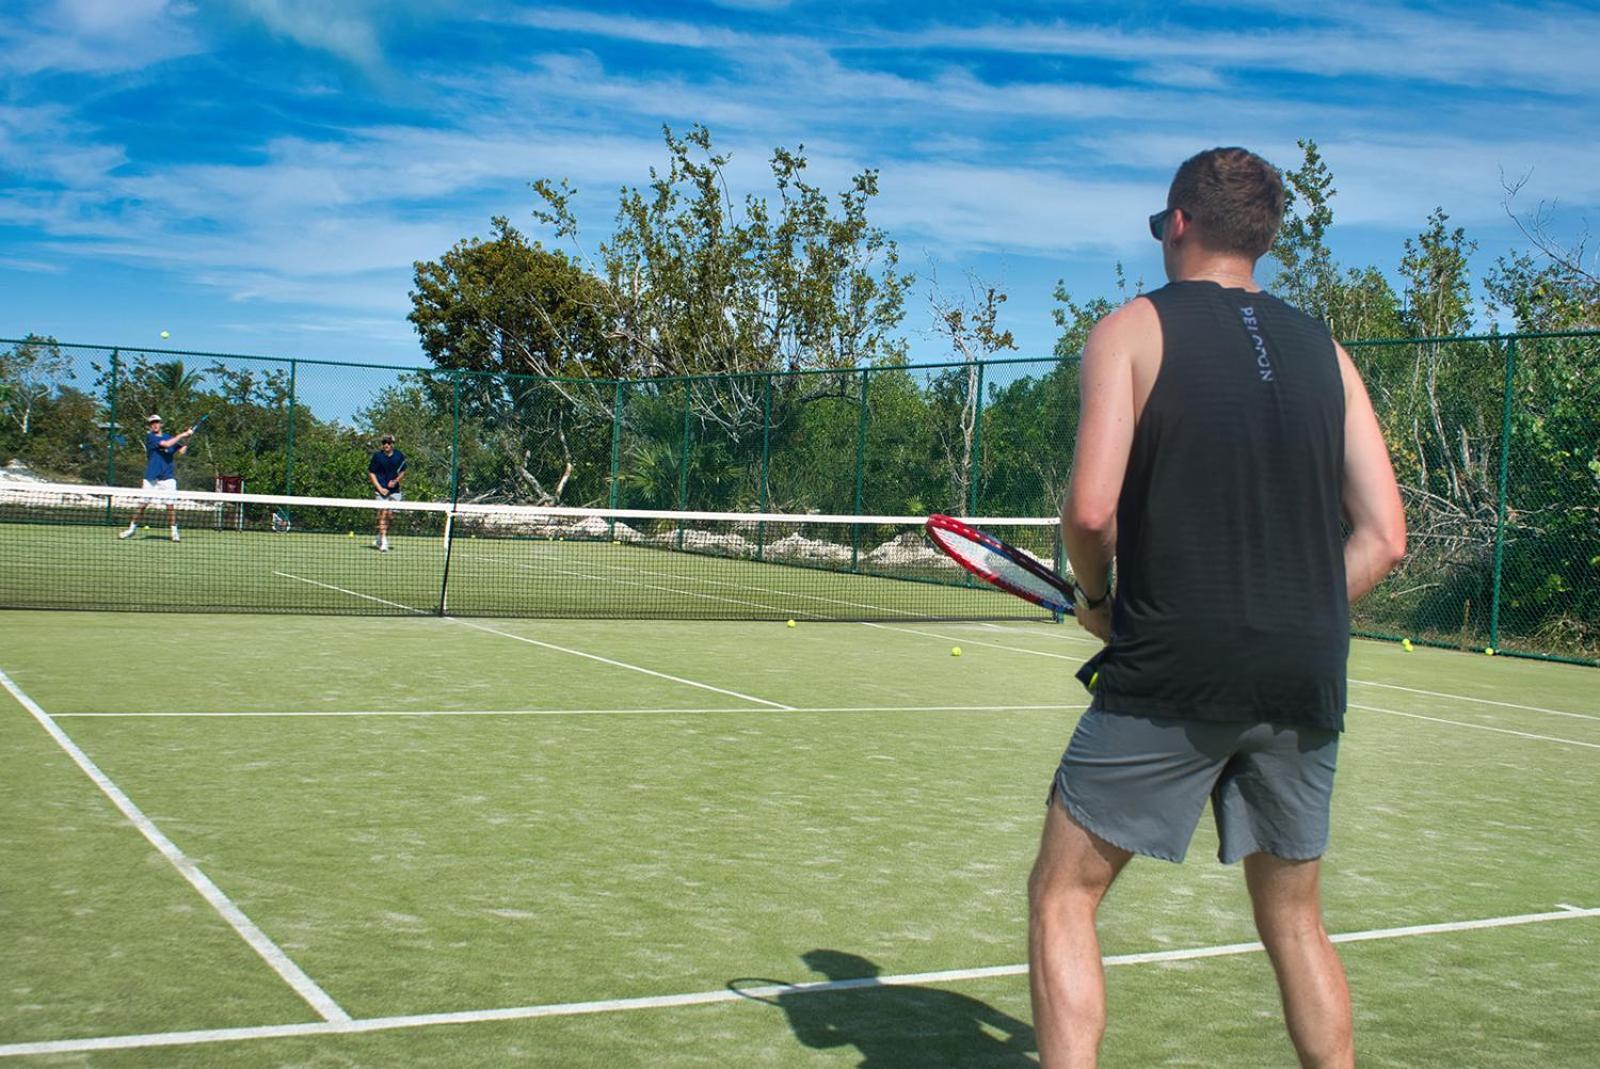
1231 601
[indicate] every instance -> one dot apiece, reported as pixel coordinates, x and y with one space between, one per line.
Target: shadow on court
900 1027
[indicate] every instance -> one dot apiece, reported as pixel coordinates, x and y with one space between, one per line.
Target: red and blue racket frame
946 532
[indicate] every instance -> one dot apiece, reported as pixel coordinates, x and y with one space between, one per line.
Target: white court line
217 714
700 998
1469 698
1476 727
622 664
1068 636
354 593
258 940
547 645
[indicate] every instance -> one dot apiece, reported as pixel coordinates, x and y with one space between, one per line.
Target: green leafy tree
1355 302
1076 320
533 329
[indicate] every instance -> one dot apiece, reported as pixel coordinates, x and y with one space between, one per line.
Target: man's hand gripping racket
1013 570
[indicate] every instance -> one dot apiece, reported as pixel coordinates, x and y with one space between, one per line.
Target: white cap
153 418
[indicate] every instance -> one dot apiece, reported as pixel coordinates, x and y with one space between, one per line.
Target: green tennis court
467 842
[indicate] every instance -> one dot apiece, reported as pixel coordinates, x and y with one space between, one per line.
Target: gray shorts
1140 782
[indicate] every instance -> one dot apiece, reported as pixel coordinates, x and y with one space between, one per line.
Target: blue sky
259 175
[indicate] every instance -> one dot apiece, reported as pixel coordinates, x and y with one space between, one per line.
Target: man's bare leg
1072 874
1316 998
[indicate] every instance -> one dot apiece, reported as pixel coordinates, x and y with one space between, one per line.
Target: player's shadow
897 1027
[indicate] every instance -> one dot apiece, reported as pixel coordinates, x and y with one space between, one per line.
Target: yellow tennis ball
164 334
350 534
1405 644
1488 651
955 651
789 624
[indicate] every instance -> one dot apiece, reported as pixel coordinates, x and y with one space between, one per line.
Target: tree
697 283
701 285
971 328
31 371
1556 285
533 328
1438 285
1077 320
1355 303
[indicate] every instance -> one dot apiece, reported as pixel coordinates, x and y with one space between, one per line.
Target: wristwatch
1082 600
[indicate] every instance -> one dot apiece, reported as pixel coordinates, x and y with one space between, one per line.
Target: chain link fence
1496 444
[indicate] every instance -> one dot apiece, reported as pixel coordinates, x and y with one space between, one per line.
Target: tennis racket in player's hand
1001 564
1013 570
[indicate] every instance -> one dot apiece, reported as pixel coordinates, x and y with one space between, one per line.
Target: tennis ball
1405 644
955 651
1488 651
789 624
165 334
350 534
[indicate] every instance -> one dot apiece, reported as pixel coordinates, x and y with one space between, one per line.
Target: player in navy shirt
160 473
386 472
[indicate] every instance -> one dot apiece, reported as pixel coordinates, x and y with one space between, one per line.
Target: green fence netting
1496 444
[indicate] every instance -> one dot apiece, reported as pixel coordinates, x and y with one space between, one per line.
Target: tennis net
65 546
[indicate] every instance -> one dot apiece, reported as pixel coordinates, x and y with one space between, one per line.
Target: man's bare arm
1370 497
1100 457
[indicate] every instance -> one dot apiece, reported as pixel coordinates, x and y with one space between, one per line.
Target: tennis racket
1013 570
199 422
1000 564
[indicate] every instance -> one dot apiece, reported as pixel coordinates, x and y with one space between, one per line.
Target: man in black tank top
1225 444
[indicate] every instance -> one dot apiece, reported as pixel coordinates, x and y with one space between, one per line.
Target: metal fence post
111 428
975 462
1500 513
455 440
762 494
288 448
683 459
616 447
861 468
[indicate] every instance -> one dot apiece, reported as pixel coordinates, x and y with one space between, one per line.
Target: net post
861 467
1500 511
444 577
288 449
1059 555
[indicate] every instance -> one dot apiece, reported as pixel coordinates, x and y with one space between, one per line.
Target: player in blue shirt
159 471
386 472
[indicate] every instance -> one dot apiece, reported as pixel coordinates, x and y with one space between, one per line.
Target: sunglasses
1158 223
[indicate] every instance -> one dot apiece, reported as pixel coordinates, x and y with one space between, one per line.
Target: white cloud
339 28
1490 45
98 36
